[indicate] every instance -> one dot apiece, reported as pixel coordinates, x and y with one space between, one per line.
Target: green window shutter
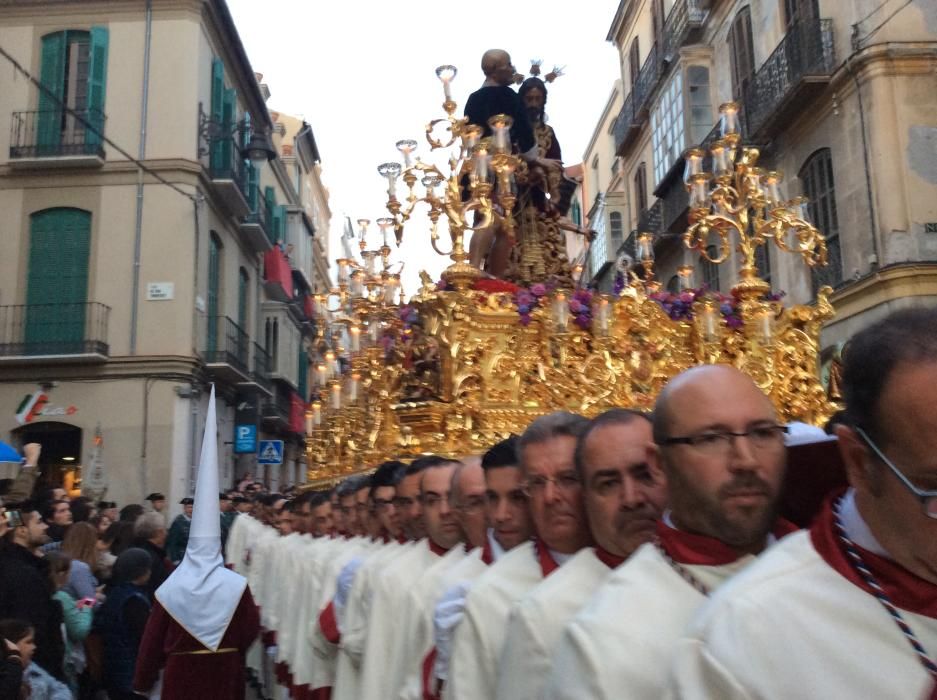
270 197
57 279
253 187
228 112
302 374
281 225
214 289
52 76
97 84
217 110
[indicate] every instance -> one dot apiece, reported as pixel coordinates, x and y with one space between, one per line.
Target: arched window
742 52
710 269
616 229
57 279
819 188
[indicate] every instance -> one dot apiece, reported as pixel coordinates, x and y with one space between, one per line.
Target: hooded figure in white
203 598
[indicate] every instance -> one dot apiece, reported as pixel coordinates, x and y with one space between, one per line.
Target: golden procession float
469 360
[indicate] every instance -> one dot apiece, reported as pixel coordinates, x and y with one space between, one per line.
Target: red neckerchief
906 590
612 561
547 563
689 548
435 548
488 555
401 538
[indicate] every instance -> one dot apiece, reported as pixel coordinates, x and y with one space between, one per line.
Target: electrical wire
869 34
90 127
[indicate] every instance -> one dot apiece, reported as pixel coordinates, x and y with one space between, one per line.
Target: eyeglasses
383 503
717 443
564 483
928 499
403 502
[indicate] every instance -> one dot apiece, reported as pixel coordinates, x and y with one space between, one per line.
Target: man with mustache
718 443
847 609
545 452
623 498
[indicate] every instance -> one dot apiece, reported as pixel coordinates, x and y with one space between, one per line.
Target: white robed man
393 608
204 617
721 450
545 452
507 518
847 609
623 499
467 501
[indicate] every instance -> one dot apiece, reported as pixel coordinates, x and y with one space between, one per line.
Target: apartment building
839 96
159 236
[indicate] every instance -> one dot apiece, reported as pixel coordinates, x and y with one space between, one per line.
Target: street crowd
627 555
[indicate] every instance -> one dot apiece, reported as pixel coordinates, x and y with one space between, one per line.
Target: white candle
316 414
321 375
336 396
354 334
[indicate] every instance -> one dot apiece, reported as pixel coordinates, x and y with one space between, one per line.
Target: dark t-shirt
488 101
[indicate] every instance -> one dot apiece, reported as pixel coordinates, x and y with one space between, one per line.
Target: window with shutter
800 10
270 197
634 61
742 52
216 157
73 72
640 191
214 291
819 188
616 229
243 295
57 280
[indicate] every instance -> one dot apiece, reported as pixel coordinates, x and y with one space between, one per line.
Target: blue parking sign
245 439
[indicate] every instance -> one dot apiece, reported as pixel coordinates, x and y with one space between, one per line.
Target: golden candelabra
481 169
465 364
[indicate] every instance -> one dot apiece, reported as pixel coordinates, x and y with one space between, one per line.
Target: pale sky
361 72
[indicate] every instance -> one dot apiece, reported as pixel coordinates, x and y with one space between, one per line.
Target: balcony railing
804 56
646 83
626 127
228 172
57 134
262 367
257 225
685 17
226 345
277 409
54 331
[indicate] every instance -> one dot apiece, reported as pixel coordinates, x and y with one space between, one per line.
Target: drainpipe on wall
141 155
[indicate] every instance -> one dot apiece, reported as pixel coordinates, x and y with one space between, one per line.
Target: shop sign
36 405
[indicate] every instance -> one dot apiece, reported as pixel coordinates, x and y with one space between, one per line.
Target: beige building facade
160 235
839 96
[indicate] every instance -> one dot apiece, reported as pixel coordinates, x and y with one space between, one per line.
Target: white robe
620 643
792 627
479 638
537 622
418 638
386 650
354 620
326 653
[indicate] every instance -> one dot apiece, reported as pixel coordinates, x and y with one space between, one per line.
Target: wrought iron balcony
646 83
57 138
798 69
626 127
54 332
259 377
226 349
257 226
685 17
276 410
228 172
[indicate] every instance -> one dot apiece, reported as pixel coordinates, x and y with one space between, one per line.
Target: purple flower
583 321
575 306
525 297
687 297
525 319
733 322
538 290
523 309
619 285
725 309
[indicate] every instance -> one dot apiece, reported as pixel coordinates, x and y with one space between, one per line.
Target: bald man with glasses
847 609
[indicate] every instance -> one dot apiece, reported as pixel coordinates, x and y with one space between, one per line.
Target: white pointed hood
201 594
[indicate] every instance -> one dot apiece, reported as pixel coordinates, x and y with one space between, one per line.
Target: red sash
690 548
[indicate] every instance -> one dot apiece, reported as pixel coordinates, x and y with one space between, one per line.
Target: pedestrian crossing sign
270 452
